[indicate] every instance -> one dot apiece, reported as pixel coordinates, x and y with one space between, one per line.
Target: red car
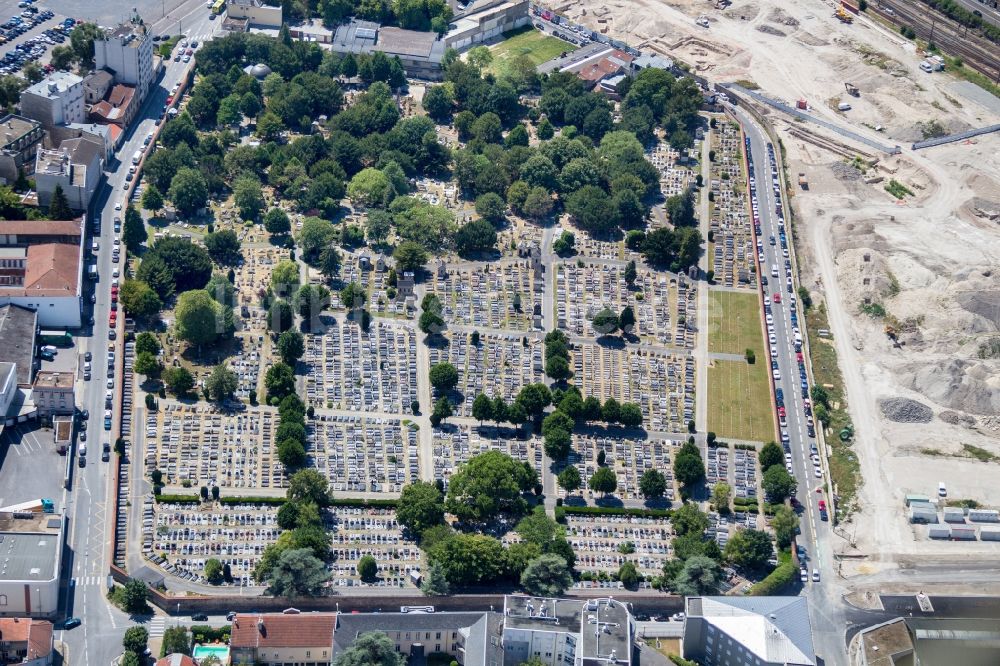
777 298
822 505
781 412
799 357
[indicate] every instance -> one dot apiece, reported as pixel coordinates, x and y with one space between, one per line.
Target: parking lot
373 371
28 34
500 365
31 467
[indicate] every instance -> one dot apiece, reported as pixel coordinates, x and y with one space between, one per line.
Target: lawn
536 45
734 323
739 401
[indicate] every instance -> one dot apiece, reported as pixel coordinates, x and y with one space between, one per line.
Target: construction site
898 247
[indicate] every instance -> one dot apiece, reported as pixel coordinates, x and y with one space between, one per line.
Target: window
437 647
438 636
3 599
308 654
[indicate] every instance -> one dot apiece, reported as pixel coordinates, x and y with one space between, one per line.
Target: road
98 640
825 605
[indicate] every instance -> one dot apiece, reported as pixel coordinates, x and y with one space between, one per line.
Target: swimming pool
220 652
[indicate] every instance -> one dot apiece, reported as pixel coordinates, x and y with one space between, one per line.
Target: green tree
329 263
315 236
680 209
199 318
285 277
469 559
291 347
291 454
188 190
770 454
248 197
534 398
689 519
435 584
146 343
569 479
442 410
652 484
627 319
309 486
491 207
147 364
152 199
482 408
557 430
222 383
378 226
368 569
297 573
279 381
310 301
421 506
778 484
628 575
605 322
224 247
699 575
135 640
557 367
276 222
134 597
369 187
176 640
213 571
438 102
603 481
750 549
59 208
630 415
592 209
410 256
353 296
475 237
488 484
689 468
721 493
139 300
370 649
133 230
178 380
443 377
547 576
785 524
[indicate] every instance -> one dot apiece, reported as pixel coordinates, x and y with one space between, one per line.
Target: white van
83 450
774 270
942 489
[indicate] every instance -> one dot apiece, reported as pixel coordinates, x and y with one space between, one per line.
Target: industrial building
483 21
420 53
748 631
31 550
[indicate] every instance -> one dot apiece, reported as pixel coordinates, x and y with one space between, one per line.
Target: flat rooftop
61 380
607 631
17 339
29 548
14 127
541 614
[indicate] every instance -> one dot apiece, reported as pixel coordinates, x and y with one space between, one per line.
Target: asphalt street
98 639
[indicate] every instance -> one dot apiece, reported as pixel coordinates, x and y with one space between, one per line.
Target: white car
773 340
803 575
117 242
116 272
817 472
118 206
111 383
776 374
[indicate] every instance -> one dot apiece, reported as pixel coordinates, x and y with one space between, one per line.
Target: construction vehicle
852 90
803 181
893 335
34 506
842 14
702 21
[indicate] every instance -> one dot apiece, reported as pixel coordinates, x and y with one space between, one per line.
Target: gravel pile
956 418
845 171
904 410
770 30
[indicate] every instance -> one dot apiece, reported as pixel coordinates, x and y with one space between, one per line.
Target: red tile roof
279 630
39 640
177 660
14 629
53 269
41 227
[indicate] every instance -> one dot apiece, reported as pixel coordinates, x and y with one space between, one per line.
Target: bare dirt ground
932 262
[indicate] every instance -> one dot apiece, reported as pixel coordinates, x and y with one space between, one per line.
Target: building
485 21
567 631
748 631
76 165
274 639
420 53
55 100
96 86
25 641
31 548
53 393
17 341
118 109
20 139
176 659
104 136
41 269
255 13
126 51
462 635
8 386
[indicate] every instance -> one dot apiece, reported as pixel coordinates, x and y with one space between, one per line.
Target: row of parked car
31 49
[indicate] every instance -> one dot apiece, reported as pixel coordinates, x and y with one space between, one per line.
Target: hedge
782 575
681 661
616 511
178 499
202 633
337 501
252 500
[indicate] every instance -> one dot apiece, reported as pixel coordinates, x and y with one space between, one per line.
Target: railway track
978 53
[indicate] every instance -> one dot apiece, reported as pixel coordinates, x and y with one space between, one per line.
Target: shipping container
990 534
984 515
954 515
910 499
920 514
939 532
963 532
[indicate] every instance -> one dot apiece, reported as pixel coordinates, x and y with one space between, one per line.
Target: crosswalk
156 626
82 581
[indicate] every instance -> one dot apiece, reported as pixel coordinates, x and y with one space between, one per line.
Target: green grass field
734 323
739 402
537 46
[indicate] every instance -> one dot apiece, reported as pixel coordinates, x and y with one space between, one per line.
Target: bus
219 6
55 338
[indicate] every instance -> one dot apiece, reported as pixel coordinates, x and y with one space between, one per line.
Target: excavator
843 15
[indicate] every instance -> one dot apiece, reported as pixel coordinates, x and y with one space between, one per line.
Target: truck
137 157
34 506
55 338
